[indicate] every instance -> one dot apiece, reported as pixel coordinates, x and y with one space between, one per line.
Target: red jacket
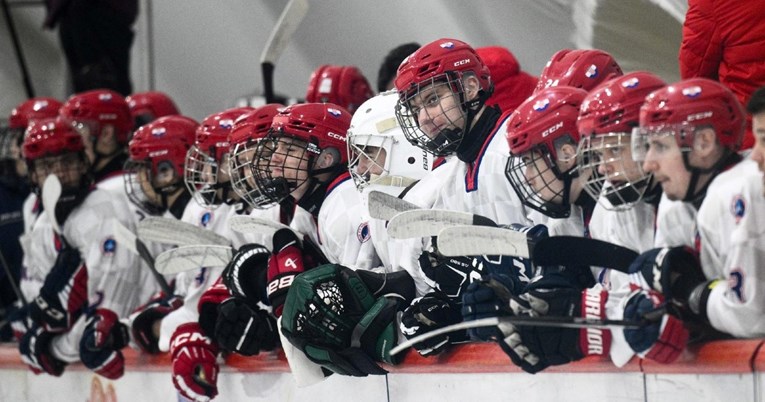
511 84
725 40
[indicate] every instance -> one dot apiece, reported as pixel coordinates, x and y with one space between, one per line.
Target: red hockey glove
102 342
143 319
285 263
665 338
195 370
34 349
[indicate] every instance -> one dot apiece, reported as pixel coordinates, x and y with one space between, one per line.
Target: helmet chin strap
696 195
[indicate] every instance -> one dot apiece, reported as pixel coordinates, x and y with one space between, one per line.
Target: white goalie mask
378 151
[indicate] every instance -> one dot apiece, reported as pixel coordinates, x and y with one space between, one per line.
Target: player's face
615 159
437 108
665 160
68 167
758 152
541 178
289 160
371 161
88 133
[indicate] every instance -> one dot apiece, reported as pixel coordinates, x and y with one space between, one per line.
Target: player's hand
664 338
245 274
208 307
195 369
34 349
142 321
428 313
672 271
245 330
450 275
102 342
283 266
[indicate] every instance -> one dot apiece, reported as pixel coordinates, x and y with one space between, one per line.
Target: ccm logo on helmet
335 136
552 129
699 116
461 62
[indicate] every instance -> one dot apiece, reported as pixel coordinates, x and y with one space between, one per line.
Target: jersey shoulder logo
205 219
109 246
738 207
362 233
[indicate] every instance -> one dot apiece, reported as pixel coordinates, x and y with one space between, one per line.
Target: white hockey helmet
378 151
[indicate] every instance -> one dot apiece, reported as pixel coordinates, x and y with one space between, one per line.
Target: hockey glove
430 312
283 266
245 274
195 369
20 321
245 330
672 271
34 349
343 320
450 275
534 348
64 293
208 307
144 319
102 342
664 339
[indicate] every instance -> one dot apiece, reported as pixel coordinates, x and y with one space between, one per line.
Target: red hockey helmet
536 130
581 68
50 137
149 106
342 85
300 133
607 117
243 140
92 110
441 62
693 103
33 109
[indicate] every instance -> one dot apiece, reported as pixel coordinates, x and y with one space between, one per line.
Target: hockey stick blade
177 233
572 250
385 206
429 222
285 27
187 258
51 192
541 321
457 241
250 224
129 240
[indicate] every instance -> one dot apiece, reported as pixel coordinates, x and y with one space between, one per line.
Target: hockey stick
573 250
457 241
288 22
127 238
16 290
51 192
187 258
429 222
540 321
385 206
177 233
250 224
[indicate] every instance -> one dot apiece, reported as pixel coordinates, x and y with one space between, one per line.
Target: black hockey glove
245 274
430 312
244 330
34 349
64 293
450 275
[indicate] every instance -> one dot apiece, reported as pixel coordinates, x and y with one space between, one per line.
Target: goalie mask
146 107
378 151
342 85
53 147
542 136
606 119
156 165
671 118
206 176
441 87
581 68
249 129
304 146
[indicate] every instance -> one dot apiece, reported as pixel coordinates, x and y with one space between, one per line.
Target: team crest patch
205 219
109 246
334 112
692 92
592 71
447 45
736 284
631 83
541 105
158 131
363 232
738 208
